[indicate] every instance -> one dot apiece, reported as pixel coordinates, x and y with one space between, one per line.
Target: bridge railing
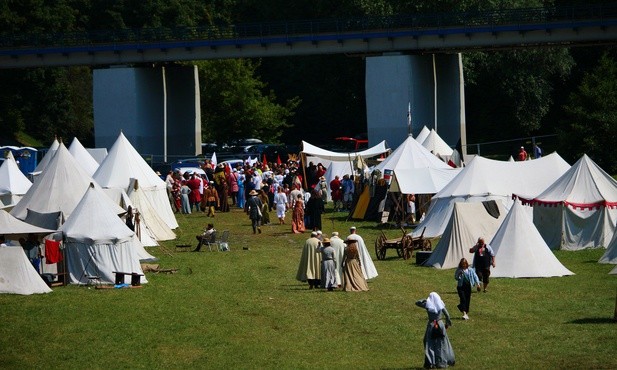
293 29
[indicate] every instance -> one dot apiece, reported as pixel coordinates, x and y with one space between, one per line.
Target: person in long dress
368 267
339 254
353 280
309 268
253 208
297 218
280 201
328 265
184 193
314 208
438 352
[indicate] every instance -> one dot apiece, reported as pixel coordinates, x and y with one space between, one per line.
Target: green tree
590 125
236 104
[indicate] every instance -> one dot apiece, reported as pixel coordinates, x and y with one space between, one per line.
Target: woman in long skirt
354 280
328 265
297 218
438 352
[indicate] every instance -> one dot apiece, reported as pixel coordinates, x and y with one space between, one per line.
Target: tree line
570 92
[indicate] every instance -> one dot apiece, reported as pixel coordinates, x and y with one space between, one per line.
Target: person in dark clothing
314 208
254 207
483 259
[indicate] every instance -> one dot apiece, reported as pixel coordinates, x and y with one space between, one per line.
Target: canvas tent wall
13 183
123 163
97 242
486 179
17 275
610 256
151 225
577 211
468 222
59 188
520 251
83 157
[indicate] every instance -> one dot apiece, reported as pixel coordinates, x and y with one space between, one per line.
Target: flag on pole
409 117
213 159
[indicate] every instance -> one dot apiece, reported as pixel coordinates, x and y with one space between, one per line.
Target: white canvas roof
58 188
579 210
17 275
47 157
411 155
520 251
97 241
98 154
436 145
123 163
313 150
486 179
83 157
423 134
13 183
150 222
10 225
467 223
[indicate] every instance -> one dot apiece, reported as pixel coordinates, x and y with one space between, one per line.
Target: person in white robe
368 267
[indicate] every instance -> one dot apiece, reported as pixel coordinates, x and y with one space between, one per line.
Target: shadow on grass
594 320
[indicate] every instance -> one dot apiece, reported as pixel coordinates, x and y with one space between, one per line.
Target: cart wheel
406 247
426 245
380 247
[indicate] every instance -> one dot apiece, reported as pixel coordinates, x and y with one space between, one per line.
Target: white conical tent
97 242
17 275
579 210
123 163
13 183
436 145
59 188
467 223
47 157
83 157
520 251
423 134
150 222
486 179
416 170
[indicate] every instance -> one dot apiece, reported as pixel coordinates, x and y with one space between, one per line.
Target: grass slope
244 309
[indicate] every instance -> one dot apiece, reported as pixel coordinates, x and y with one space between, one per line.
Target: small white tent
97 242
520 251
436 145
610 256
467 223
13 183
579 210
83 157
423 134
17 275
486 179
123 163
47 157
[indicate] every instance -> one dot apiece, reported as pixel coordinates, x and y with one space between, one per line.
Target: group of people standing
336 263
438 352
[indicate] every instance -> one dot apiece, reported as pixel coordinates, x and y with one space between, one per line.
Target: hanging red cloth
52 252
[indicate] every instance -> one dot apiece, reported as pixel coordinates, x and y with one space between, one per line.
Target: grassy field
244 309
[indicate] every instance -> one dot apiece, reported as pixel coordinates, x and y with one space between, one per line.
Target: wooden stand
135 278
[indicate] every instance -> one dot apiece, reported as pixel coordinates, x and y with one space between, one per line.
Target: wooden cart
405 245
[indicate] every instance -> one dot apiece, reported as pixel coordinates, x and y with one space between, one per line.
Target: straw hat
326 241
253 192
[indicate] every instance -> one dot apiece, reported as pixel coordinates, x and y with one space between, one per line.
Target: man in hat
522 154
210 200
339 253
253 208
366 262
309 268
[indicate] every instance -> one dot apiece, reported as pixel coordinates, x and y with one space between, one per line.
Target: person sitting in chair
206 237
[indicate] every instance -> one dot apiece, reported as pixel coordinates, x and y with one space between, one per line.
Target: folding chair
223 242
212 241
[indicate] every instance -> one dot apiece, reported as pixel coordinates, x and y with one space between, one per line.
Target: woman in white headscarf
438 352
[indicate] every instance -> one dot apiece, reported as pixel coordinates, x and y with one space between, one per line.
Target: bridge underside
443 40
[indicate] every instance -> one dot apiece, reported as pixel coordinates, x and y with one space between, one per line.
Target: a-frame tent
83 157
468 222
97 242
520 251
122 164
579 210
13 183
486 179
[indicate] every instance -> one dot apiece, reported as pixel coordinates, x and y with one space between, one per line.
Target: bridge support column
434 86
146 103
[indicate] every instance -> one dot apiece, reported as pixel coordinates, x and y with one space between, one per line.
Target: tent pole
302 162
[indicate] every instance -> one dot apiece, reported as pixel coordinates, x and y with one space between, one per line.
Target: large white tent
123 163
97 242
59 188
520 251
436 145
17 275
47 157
416 170
486 179
13 183
579 210
83 157
468 222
